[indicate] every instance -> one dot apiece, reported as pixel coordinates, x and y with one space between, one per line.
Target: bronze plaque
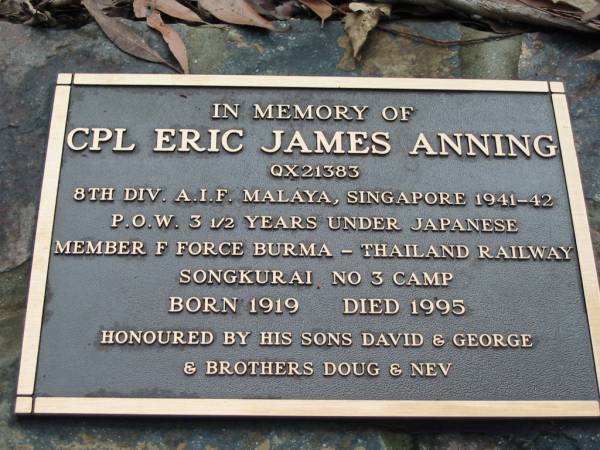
305 246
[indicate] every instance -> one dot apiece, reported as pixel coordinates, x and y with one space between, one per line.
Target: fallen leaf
175 9
592 56
583 5
286 10
172 39
103 4
363 18
371 8
283 11
591 14
264 7
321 8
123 36
142 8
240 12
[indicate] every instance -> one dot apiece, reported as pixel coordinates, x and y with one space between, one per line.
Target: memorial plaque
306 246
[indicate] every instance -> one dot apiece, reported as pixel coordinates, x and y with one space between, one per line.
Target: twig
431 41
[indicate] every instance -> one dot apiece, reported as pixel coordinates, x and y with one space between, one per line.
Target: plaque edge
314 82
315 408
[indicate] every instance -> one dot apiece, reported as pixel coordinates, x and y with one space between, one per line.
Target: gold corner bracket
557 87
24 405
64 79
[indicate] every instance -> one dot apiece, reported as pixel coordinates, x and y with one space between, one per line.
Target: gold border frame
28 403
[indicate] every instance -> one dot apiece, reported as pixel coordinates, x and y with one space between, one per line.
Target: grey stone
397 440
389 55
31 58
18 224
554 57
455 441
497 59
305 49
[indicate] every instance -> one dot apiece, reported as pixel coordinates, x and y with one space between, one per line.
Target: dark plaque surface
310 247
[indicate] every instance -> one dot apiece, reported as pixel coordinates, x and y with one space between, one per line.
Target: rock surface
31 58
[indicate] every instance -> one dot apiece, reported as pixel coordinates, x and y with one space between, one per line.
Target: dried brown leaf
105 4
321 8
592 56
591 14
173 40
363 18
582 5
371 8
557 6
142 8
240 12
286 10
357 27
175 9
123 36
283 11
